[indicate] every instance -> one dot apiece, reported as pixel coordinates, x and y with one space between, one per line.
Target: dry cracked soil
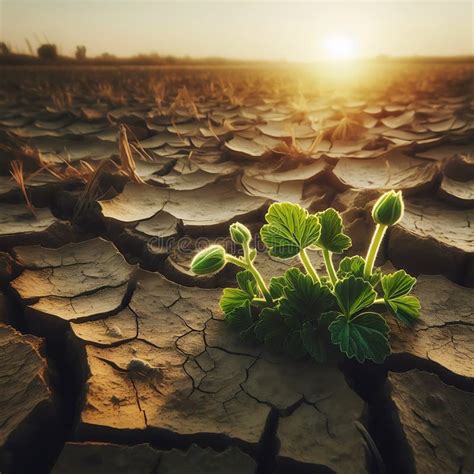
114 358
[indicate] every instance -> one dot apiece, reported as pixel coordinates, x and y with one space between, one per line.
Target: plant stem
259 300
308 266
258 278
327 255
374 249
380 305
261 283
236 261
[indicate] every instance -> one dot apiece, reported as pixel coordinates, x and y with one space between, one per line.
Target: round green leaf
405 308
353 295
332 237
363 337
289 229
397 284
303 299
241 318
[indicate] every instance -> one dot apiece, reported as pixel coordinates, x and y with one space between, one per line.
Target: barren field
116 358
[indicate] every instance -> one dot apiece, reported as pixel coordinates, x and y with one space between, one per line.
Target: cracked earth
115 358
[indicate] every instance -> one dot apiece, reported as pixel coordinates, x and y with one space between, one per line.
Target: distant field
373 73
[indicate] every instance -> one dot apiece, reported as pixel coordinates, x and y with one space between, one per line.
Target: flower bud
239 233
209 260
388 210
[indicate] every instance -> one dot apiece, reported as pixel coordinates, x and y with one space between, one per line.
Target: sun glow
339 47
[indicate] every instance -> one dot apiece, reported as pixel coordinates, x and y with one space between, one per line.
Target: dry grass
127 163
92 189
158 90
109 93
294 150
185 99
62 99
346 129
18 176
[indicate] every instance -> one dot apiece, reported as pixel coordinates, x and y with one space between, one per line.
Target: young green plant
304 313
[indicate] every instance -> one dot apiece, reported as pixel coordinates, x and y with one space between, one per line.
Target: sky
269 30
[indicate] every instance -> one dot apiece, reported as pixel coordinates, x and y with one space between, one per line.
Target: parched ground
114 358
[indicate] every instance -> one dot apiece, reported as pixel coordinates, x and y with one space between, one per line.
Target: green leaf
376 276
294 345
325 281
276 286
397 284
289 229
241 318
271 329
327 318
353 295
234 297
301 301
332 237
304 299
405 308
351 266
247 282
364 337
355 266
313 342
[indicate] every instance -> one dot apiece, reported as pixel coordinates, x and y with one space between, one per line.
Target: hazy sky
299 31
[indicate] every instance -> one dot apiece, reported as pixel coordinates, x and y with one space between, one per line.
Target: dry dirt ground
114 358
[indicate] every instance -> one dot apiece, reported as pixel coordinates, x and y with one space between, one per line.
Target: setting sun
339 47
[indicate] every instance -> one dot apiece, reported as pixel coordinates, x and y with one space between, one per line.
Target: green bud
209 260
239 233
388 210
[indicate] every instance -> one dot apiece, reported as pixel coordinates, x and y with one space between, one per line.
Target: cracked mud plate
163 364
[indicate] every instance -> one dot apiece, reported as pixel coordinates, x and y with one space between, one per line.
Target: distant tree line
48 52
